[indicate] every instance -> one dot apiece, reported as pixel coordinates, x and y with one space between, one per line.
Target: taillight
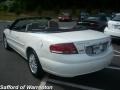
64 48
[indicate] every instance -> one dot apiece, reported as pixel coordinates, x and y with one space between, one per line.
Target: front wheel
34 64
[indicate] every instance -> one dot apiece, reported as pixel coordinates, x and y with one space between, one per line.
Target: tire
5 43
34 65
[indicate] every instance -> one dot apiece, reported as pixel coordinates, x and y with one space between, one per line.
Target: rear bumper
73 67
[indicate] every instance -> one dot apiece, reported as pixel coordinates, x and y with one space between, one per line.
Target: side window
43 23
37 25
53 25
19 25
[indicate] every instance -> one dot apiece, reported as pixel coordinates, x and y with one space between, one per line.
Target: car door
16 35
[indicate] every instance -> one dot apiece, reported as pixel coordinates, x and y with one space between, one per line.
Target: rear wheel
34 64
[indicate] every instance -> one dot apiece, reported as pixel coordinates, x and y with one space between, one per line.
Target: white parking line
116 51
43 82
112 67
117 55
72 85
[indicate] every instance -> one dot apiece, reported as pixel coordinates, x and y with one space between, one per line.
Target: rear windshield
116 18
99 17
93 18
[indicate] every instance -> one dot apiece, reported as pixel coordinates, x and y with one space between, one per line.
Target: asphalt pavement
14 71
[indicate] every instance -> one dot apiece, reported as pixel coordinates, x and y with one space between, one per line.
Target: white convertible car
62 52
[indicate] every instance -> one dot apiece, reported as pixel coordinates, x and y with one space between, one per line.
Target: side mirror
8 26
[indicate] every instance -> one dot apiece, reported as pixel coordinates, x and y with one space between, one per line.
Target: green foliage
19 6
3 8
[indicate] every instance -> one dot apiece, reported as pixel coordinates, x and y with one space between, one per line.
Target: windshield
52 27
65 13
97 18
116 18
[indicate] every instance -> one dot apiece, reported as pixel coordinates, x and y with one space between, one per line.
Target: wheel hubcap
32 63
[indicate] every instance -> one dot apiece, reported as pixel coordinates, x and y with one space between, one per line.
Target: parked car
61 52
97 22
113 27
65 17
83 16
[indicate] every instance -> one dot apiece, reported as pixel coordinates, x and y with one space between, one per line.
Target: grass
13 16
7 16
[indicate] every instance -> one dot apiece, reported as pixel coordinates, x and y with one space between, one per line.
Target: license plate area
96 49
